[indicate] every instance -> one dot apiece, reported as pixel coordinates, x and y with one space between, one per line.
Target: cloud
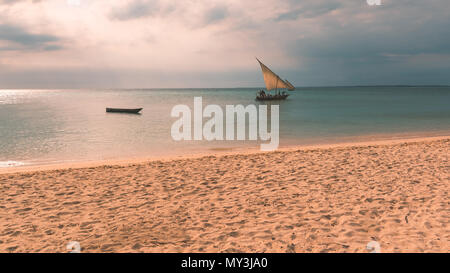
310 42
308 10
134 10
393 44
18 38
406 31
216 14
179 12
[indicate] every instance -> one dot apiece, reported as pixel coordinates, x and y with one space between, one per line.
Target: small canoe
123 110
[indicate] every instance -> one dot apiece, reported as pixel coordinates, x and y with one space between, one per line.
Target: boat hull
123 110
272 97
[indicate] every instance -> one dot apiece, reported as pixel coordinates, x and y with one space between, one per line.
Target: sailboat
273 81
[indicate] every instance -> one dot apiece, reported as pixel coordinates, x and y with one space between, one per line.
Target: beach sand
307 199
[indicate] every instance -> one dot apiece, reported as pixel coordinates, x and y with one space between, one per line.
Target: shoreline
342 142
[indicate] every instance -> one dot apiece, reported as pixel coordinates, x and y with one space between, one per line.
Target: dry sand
317 199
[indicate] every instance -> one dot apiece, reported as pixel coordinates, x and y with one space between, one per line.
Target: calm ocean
48 126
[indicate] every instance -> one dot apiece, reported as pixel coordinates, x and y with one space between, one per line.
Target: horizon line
237 87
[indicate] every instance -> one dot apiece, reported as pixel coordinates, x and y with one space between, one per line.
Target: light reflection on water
5 164
18 96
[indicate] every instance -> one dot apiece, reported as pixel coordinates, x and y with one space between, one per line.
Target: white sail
272 80
290 86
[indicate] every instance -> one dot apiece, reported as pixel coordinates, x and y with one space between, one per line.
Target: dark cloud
134 10
137 9
18 38
53 47
392 44
216 14
308 10
361 41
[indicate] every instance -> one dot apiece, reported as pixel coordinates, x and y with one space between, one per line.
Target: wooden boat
123 110
269 96
273 82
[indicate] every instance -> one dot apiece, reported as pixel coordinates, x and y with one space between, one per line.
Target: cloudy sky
208 43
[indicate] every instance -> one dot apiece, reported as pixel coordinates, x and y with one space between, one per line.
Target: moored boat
124 110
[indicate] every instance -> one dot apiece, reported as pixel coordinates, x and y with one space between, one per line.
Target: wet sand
334 198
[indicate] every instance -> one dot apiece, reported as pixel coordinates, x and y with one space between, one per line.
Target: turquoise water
46 126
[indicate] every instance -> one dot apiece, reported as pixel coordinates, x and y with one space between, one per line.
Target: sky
209 43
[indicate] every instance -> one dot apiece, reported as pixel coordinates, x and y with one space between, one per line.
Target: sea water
55 126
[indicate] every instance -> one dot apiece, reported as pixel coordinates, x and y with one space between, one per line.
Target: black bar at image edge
228 262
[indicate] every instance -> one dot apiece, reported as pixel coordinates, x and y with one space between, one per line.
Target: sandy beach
334 198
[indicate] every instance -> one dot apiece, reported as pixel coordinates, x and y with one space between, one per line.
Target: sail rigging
272 80
290 86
